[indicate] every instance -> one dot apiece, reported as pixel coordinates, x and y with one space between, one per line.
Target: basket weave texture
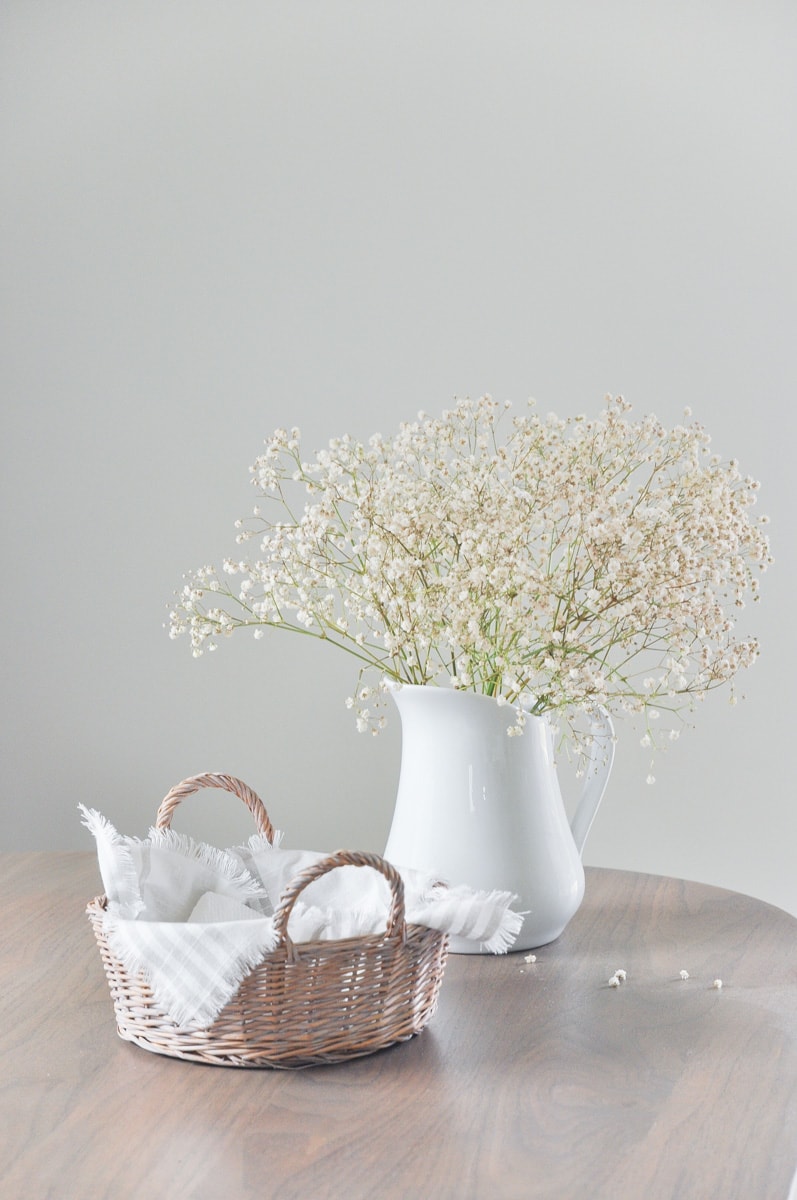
307 1003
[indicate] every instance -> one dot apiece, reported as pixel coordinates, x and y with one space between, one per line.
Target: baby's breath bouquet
556 565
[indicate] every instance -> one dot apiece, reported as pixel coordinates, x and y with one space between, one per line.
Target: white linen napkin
362 898
193 967
163 876
196 920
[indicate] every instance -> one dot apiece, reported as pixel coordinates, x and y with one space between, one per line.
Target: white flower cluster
565 565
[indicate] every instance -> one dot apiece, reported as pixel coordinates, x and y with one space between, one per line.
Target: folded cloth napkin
196 920
354 901
164 875
193 967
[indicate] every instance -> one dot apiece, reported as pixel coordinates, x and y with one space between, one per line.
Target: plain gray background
220 218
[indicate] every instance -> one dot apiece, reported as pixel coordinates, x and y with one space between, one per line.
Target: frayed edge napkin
193 968
163 876
195 920
355 901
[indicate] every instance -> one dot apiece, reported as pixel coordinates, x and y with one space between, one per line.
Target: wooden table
532 1080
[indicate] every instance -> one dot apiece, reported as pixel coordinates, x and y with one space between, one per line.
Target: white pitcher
479 807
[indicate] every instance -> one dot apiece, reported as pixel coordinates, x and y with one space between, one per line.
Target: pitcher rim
394 686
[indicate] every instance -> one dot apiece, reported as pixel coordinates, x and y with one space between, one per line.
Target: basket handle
227 783
342 858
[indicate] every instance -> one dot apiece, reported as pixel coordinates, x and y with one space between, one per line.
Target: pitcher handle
597 776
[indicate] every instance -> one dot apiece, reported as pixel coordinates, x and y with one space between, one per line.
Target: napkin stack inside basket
196 919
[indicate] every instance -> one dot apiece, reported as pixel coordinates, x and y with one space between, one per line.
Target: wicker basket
305 1004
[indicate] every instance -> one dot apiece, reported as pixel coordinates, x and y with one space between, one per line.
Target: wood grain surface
532 1080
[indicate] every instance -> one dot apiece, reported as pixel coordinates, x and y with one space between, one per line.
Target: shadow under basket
305 1004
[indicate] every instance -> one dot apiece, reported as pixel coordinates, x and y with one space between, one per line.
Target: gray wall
223 218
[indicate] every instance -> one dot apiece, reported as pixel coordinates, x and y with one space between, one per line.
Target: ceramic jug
480 807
